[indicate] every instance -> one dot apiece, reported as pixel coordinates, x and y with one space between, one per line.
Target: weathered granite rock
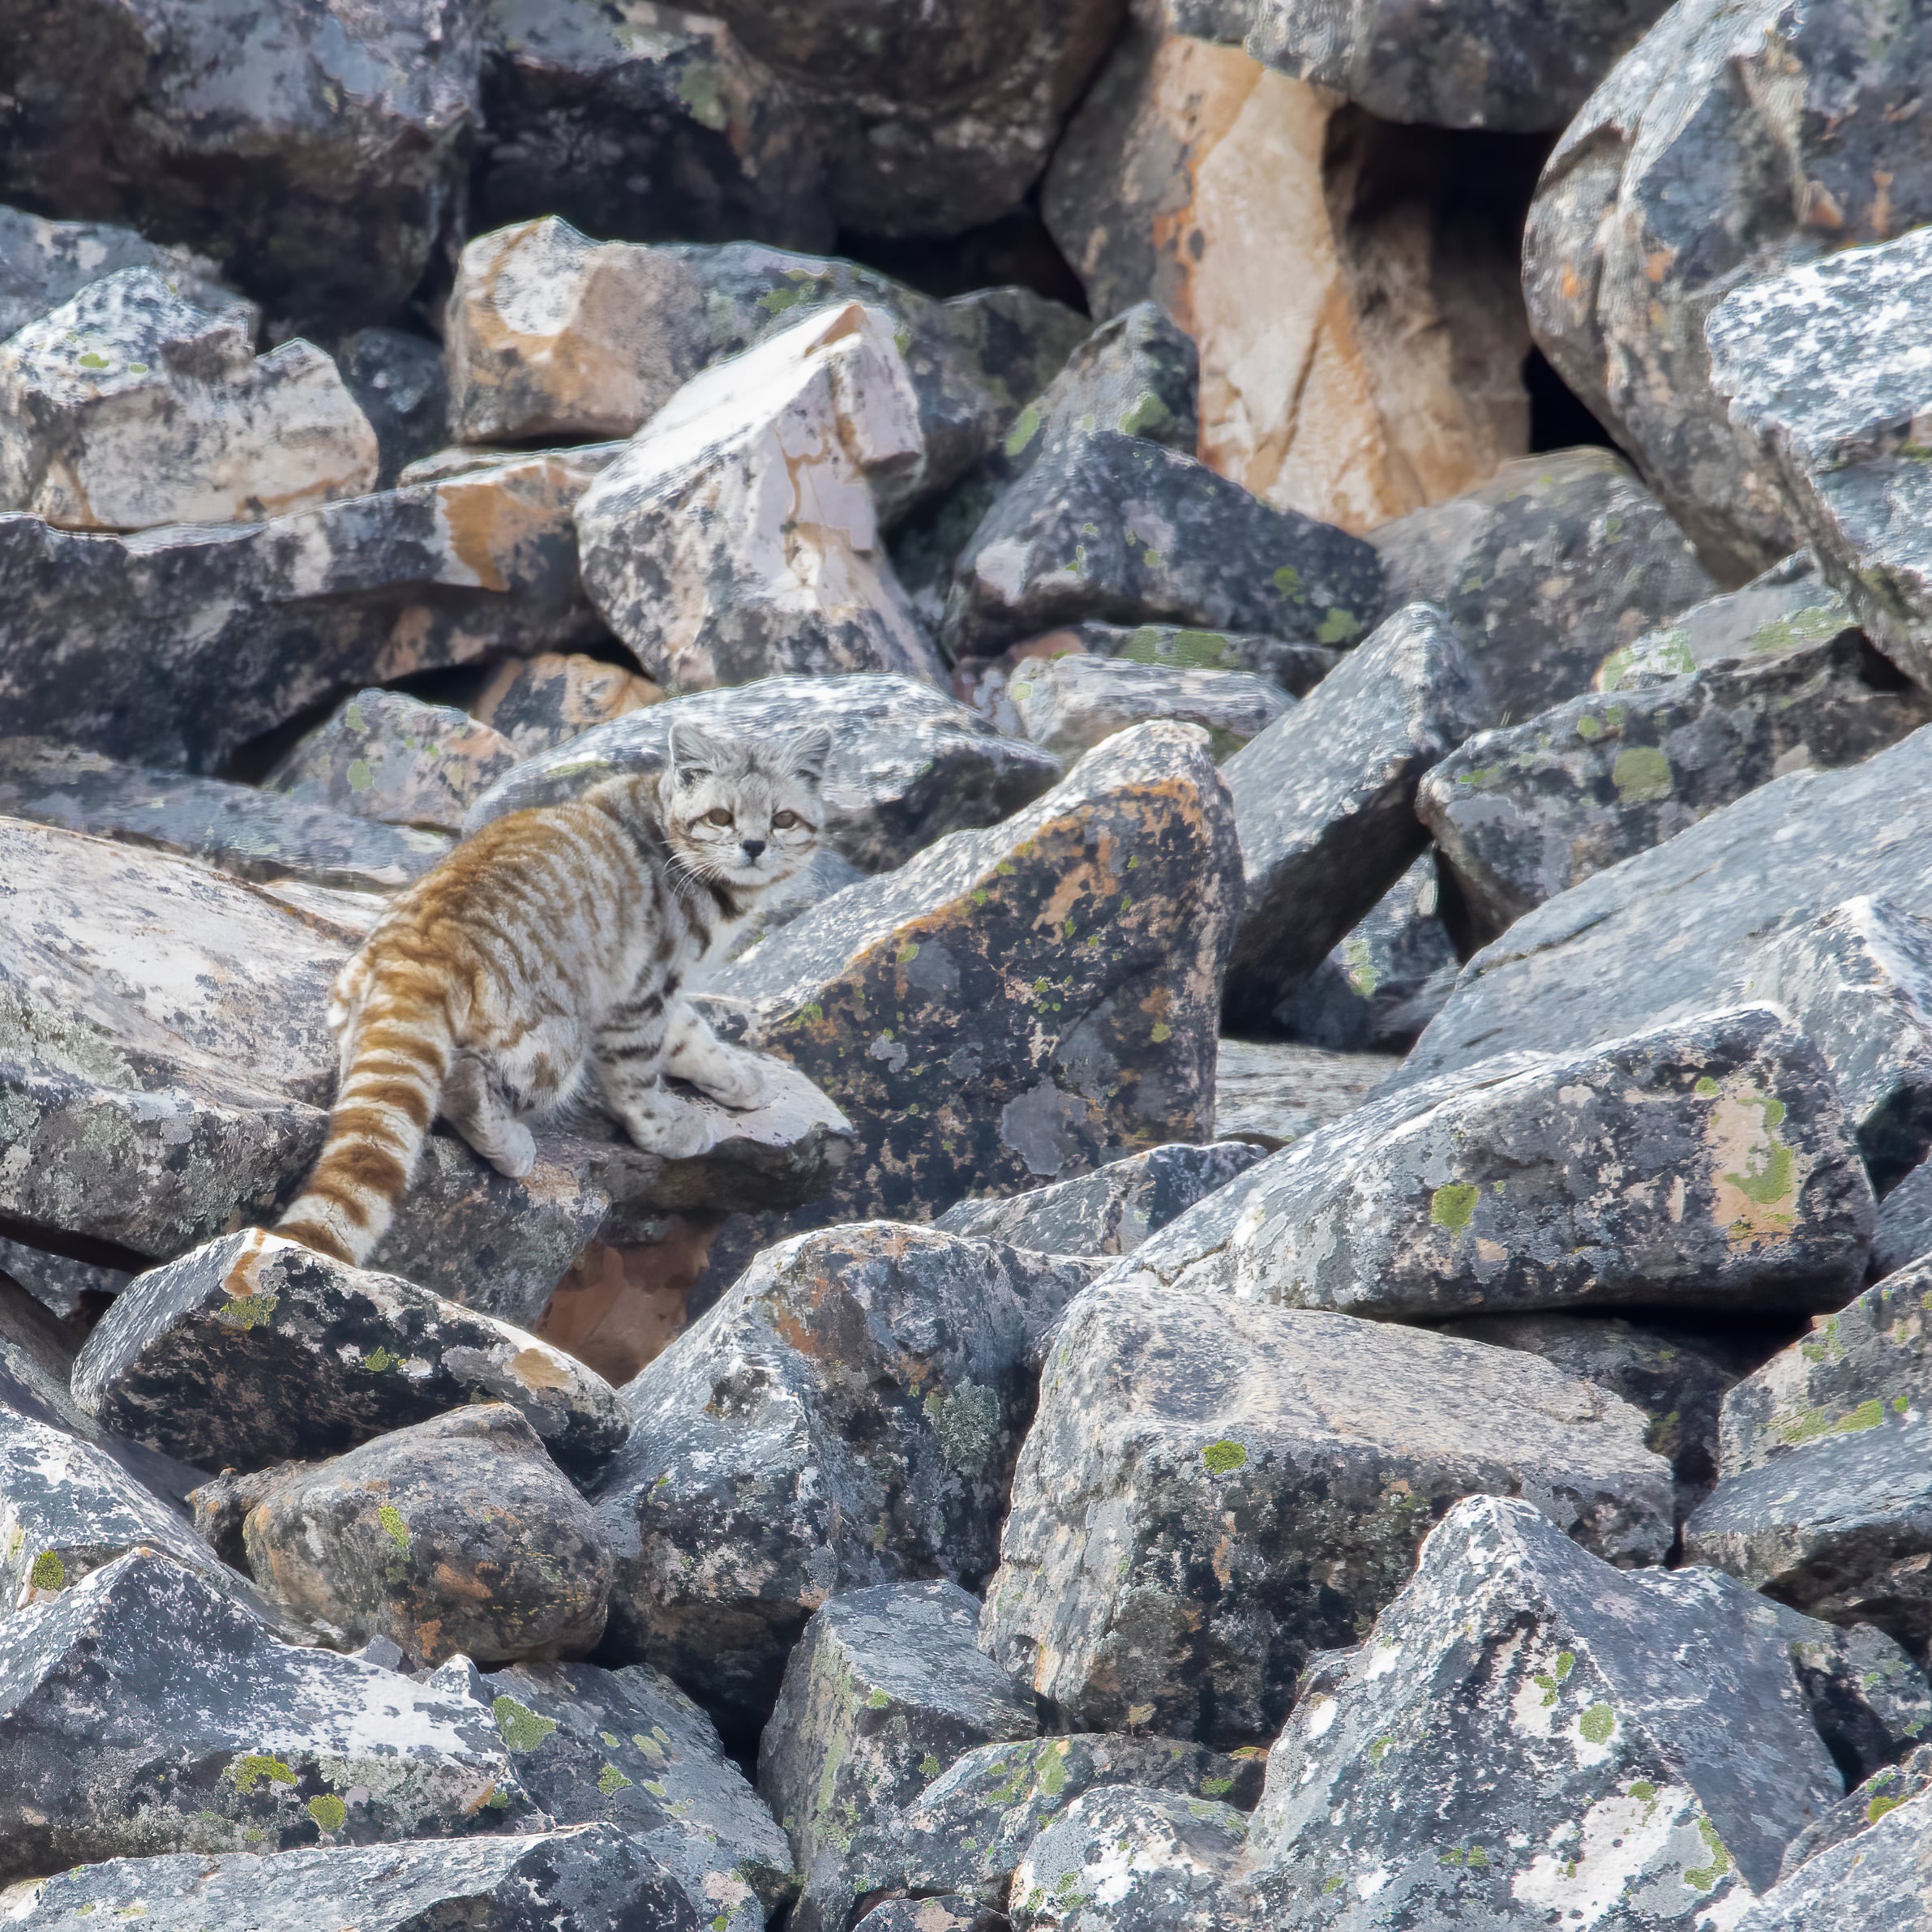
129 406
253 1348
141 1711
1706 1164
1665 933
668 131
1543 568
400 384
907 766
1212 1490
593 1879
1297 668
1110 1211
1273 1094
782 1454
235 828
1325 800
1016 1005
174 647
1354 289
1118 528
1872 1881
391 757
1069 704
1125 1856
1903 1230
1818 366
1882 1791
1608 1752
885 1687
1524 813
943 1911
629 1748
1466 66
1385 981
315 151
543 702
1736 138
739 534
453 1536
61 1285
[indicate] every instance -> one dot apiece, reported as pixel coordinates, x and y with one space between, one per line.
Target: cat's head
743 811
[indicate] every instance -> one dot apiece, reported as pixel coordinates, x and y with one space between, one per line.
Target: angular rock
1542 568
1297 668
1016 1005
1325 799
1818 365
944 1912
1464 65
234 828
392 758
1068 705
1863 1883
782 1454
1524 813
546 700
1663 195
400 384
129 406
1608 1752
141 1712
1884 1791
884 1689
1353 289
908 764
1385 980
629 1748
1123 529
1664 934
1904 1231
738 536
315 151
1110 1211
1272 1094
253 1349
1213 1490
453 1536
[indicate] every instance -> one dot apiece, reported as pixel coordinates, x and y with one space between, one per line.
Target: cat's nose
753 847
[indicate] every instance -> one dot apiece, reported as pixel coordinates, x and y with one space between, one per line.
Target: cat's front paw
741 1081
677 1132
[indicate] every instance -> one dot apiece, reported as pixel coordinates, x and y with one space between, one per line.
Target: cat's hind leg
473 1104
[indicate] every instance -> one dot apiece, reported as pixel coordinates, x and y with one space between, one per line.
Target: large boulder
1067 704
1738 137
1868 1883
846 1415
1565 1738
1272 1092
542 702
1214 1490
1019 1005
44 263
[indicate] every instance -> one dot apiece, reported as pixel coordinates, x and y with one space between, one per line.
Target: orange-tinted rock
546 700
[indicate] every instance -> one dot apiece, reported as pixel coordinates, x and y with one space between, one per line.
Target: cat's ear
807 753
694 753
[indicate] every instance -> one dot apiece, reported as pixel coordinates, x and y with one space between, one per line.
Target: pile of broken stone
1328 1326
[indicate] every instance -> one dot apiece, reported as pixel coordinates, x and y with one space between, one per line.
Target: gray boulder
1882 1791
1903 1230
1212 1490
1871 1882
884 1689
44 263
1069 704
542 702
943 1911
1273 1093
1564 1737
1325 800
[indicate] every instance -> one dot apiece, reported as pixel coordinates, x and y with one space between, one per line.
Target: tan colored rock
545 700
1360 351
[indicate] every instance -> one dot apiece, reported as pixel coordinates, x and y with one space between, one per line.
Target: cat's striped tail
394 1069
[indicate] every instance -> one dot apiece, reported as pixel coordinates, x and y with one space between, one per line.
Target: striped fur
552 949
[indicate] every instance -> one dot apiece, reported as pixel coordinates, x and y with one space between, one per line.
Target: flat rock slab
1608 1751
1325 799
1213 1490
47 262
254 1349
1016 1005
1873 1881
847 1415
1706 1164
144 1711
1069 704
885 1687
908 763
1272 1092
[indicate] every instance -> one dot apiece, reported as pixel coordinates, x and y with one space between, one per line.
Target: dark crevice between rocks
1558 417
1016 249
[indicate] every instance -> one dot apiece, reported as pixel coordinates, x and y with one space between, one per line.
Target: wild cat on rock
552 949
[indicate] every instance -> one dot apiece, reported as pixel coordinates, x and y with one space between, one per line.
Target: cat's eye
717 816
783 821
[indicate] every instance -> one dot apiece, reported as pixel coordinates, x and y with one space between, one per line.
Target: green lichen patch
1221 1457
48 1572
519 1727
1596 1724
1703 1877
329 1811
1453 1206
1642 775
611 1780
249 1771
393 1526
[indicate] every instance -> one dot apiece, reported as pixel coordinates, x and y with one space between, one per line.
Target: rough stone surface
387 757
1553 1727
1884 1791
1273 1094
1824 367
781 1454
1873 1881
1904 1231
1110 1211
1543 569
942 1912
1069 704
884 1689
1524 813
1296 668
144 1711
1325 800
253 1348
546 700
1213 1490
908 765
400 384
1016 1005
1737 138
